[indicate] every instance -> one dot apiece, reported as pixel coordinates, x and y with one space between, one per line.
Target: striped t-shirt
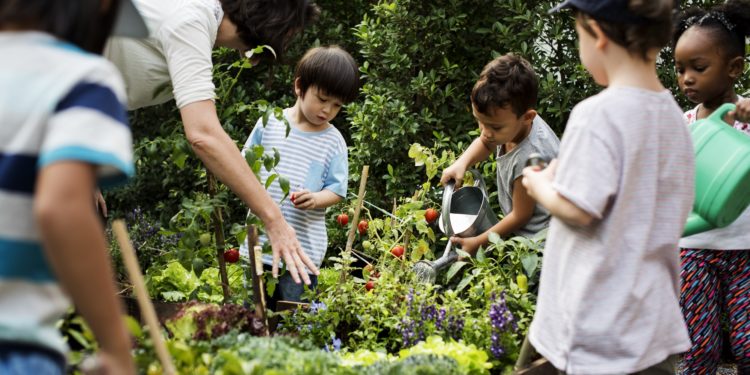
310 160
57 103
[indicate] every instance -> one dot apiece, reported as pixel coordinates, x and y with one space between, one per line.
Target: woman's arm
220 155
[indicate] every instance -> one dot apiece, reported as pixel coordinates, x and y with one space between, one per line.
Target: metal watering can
470 207
722 173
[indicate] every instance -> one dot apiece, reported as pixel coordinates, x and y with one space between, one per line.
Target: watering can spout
696 224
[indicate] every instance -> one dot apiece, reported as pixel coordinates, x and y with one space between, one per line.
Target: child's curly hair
729 24
506 80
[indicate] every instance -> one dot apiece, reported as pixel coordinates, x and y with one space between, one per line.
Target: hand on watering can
455 172
467 244
742 113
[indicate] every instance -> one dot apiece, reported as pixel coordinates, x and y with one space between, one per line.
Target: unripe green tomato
205 239
367 245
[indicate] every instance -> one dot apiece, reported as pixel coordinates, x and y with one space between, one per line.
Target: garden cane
144 302
256 271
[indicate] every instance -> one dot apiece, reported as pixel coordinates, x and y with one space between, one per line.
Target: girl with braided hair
709 49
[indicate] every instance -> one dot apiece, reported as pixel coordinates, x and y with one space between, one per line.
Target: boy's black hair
506 80
80 22
270 22
637 37
729 24
332 70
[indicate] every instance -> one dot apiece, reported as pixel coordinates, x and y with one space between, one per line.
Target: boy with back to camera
503 101
313 157
64 130
619 195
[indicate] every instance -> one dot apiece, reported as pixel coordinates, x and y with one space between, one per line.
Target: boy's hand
455 172
304 200
467 244
742 113
535 178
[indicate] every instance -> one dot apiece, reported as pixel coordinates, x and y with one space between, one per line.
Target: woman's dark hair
638 38
80 22
508 79
330 69
270 22
729 24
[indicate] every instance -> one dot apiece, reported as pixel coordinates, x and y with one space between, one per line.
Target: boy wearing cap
619 195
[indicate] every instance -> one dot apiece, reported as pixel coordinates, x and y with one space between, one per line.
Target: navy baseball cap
605 10
129 22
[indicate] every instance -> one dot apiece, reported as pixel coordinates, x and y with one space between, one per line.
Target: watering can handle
720 112
448 194
479 182
445 215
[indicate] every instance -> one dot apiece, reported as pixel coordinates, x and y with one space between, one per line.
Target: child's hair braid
730 22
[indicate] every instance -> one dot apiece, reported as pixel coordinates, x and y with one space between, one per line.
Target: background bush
419 61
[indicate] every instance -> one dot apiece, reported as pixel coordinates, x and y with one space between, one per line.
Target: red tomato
232 256
370 285
342 219
397 251
362 226
431 215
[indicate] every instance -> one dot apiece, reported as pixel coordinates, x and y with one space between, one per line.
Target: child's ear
297 88
529 116
736 67
599 35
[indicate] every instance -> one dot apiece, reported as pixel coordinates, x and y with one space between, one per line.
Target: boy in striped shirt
313 155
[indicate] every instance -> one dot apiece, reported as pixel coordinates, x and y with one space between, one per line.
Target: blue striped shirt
310 160
57 103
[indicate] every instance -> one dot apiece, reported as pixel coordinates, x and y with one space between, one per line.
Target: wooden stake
256 270
144 301
355 219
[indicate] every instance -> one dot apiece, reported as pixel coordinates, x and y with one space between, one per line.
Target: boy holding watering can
619 194
709 49
503 101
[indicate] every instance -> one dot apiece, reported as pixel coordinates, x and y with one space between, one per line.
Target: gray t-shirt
609 292
510 166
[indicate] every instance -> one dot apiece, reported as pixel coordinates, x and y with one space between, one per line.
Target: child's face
317 107
590 56
702 71
502 125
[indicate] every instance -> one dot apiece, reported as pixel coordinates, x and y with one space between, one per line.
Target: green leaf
455 267
480 255
464 283
270 180
463 254
276 157
495 239
530 262
284 183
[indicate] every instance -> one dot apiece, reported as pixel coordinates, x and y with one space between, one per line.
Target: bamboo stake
256 271
355 219
144 302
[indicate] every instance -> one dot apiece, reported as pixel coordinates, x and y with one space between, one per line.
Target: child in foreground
64 130
313 156
619 194
503 101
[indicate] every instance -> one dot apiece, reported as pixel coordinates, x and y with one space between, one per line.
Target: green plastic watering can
722 173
